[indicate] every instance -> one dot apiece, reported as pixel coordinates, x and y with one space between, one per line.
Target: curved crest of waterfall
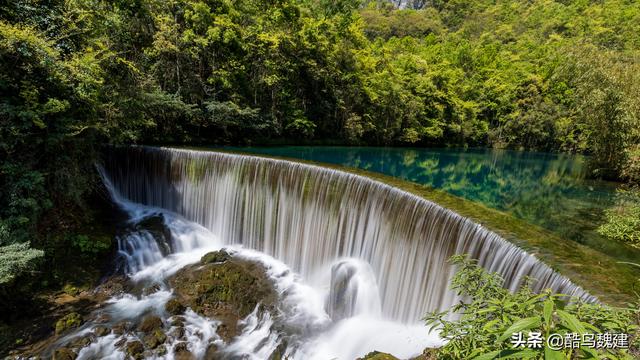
310 217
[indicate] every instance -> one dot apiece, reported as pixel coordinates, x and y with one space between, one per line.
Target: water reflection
549 190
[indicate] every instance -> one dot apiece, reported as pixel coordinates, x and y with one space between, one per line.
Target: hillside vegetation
77 74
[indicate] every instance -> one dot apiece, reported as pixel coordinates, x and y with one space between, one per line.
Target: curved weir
311 217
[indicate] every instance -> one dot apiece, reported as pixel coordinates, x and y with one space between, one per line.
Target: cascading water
350 258
309 217
353 290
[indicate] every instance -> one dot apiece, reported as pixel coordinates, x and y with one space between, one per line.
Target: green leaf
488 356
550 354
522 324
548 310
508 354
571 322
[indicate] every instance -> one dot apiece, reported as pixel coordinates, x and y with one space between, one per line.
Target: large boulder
225 288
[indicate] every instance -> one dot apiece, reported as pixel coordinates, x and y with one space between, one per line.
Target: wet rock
177 333
120 343
101 331
156 226
121 327
155 339
64 354
69 321
279 352
151 289
215 257
212 352
79 343
227 291
427 354
149 324
114 285
135 349
376 355
102 319
181 352
177 321
174 307
161 350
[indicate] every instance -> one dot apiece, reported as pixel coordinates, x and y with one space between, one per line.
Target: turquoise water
549 190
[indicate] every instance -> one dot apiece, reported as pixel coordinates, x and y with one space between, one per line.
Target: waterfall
353 290
310 217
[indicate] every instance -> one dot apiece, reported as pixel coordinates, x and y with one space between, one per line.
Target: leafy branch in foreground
482 324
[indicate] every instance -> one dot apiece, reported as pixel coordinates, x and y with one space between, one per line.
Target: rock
212 352
181 352
226 290
376 355
101 331
151 289
161 350
71 290
69 321
79 343
113 286
279 352
177 321
64 354
215 257
102 319
427 354
120 343
174 307
135 349
149 324
121 327
155 225
155 339
177 333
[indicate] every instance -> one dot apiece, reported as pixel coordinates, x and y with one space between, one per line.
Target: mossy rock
71 290
376 355
135 349
121 327
64 354
155 339
161 350
101 331
224 288
181 352
69 321
427 354
174 307
215 257
150 324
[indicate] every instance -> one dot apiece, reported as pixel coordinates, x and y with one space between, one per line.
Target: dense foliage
623 220
75 74
489 315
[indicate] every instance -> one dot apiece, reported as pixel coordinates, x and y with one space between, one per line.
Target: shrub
623 220
489 315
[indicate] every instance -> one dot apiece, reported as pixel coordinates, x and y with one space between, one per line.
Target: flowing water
550 190
351 258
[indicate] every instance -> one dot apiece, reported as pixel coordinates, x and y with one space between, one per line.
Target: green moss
602 275
234 285
69 321
174 307
215 257
376 355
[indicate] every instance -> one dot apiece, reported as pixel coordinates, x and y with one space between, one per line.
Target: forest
79 75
